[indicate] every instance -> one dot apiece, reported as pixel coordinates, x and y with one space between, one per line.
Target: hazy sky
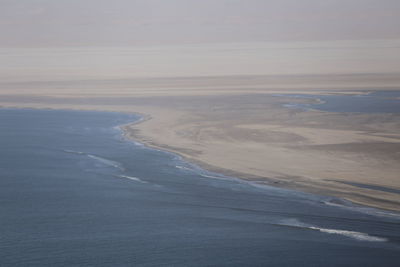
129 22
91 39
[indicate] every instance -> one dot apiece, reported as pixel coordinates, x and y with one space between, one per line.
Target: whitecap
106 161
351 234
183 168
74 152
132 178
213 177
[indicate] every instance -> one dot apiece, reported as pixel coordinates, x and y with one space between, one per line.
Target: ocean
371 102
75 192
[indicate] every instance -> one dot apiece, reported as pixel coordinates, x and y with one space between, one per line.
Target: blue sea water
74 192
374 102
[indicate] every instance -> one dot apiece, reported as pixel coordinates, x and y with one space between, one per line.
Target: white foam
212 177
183 168
351 234
202 174
132 178
106 161
74 152
365 210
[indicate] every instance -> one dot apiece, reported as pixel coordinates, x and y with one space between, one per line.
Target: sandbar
239 126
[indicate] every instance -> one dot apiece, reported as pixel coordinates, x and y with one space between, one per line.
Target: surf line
104 161
351 234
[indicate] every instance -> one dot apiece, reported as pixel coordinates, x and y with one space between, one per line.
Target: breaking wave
211 176
106 161
183 168
366 210
351 234
202 172
132 178
74 152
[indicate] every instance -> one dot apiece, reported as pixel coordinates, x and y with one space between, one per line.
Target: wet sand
248 133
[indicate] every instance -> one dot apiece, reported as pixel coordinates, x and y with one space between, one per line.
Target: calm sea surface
73 192
375 102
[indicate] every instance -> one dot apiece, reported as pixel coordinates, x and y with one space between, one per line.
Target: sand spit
248 132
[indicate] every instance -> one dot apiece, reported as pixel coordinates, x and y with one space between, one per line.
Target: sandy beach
248 133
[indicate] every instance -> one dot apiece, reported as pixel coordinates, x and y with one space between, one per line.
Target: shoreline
309 188
255 138
124 191
304 187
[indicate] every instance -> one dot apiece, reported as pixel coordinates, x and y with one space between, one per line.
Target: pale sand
246 132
